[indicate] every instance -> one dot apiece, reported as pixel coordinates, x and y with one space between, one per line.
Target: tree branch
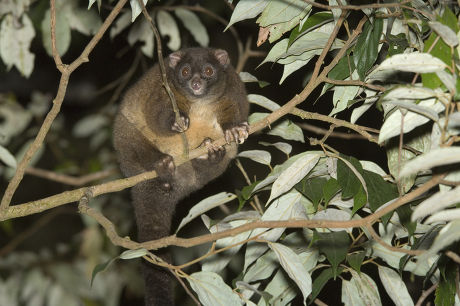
57 102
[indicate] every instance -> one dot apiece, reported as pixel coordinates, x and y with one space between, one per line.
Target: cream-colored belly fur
203 124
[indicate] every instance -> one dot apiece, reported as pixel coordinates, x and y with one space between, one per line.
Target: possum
212 104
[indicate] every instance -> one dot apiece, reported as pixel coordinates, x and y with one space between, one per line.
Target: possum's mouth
197 86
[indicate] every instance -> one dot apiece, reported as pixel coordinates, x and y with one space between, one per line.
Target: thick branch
189 242
57 102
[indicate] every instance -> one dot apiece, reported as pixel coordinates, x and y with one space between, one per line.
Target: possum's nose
196 84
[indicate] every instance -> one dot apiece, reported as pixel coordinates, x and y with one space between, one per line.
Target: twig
390 247
247 53
338 122
455 257
319 302
257 206
125 79
19 238
321 131
164 76
425 294
56 56
68 179
355 83
187 290
105 223
355 7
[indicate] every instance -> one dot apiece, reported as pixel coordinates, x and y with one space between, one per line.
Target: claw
182 125
215 153
238 133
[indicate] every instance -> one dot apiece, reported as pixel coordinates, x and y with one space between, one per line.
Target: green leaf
359 200
167 26
404 213
294 174
193 24
7 158
330 189
380 191
343 69
422 243
136 8
259 156
355 260
99 268
292 265
312 21
312 189
206 205
211 289
397 44
288 130
282 11
441 50
16 36
347 179
322 280
395 287
246 192
131 254
366 49
246 9
335 246
445 292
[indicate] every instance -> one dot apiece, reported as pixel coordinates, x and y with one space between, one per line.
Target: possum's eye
208 71
185 72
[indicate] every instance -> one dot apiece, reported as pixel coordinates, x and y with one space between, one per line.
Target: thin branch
328 45
56 56
164 77
57 102
321 131
355 83
454 256
68 179
425 294
189 242
355 7
106 224
247 53
257 207
338 122
390 247
19 238
187 290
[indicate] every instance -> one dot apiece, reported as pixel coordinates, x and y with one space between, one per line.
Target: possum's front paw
182 125
238 133
215 153
165 166
165 169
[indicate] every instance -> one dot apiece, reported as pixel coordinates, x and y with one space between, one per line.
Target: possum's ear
222 57
175 58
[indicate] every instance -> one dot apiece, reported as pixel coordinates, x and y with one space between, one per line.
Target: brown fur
145 139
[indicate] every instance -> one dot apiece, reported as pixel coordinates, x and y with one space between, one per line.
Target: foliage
318 217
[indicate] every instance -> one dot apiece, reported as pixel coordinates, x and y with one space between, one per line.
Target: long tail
154 211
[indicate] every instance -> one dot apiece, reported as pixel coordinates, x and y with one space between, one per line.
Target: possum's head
199 73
